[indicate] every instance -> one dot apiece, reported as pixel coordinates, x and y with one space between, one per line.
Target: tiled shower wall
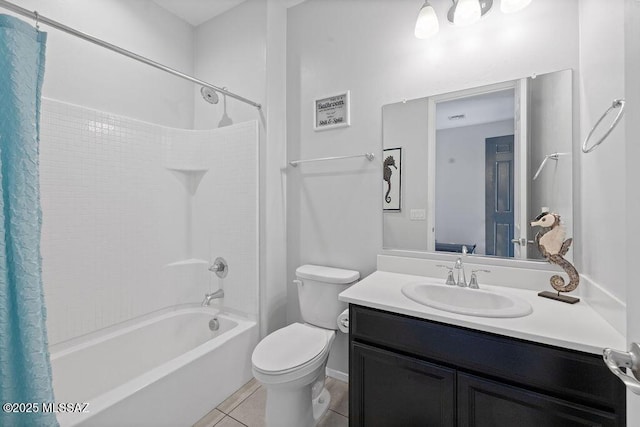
116 216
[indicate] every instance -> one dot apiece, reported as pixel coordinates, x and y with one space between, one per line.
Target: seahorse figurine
552 245
388 162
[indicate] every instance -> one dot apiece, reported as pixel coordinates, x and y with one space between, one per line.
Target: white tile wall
226 211
114 217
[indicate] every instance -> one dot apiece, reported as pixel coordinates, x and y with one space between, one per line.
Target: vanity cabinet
405 371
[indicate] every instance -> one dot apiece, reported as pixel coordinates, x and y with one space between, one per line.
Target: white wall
244 50
112 218
334 212
116 215
230 51
632 128
603 174
81 73
460 182
273 267
550 104
225 211
405 125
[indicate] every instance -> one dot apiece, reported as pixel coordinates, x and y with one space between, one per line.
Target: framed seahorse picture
392 179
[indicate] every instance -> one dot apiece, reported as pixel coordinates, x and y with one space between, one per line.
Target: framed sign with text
332 112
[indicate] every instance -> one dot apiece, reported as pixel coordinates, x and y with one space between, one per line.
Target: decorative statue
389 161
552 245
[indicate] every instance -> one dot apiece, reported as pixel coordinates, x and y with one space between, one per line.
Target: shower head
209 95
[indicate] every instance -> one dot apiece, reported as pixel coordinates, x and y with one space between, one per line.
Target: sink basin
472 302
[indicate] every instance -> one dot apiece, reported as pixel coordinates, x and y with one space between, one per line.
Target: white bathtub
163 369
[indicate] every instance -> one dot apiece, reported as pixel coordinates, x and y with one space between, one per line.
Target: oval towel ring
617 103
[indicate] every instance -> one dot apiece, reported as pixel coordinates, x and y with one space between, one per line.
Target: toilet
290 362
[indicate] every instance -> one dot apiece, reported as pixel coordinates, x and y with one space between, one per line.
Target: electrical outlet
418 214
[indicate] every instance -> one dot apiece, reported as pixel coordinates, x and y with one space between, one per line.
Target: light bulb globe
511 6
427 23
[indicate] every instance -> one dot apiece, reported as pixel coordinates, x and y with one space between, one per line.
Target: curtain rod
58 26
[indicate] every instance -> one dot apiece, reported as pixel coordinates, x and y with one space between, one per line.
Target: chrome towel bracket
617 103
615 360
554 156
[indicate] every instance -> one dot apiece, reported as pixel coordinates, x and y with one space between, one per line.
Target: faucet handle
220 267
450 279
473 282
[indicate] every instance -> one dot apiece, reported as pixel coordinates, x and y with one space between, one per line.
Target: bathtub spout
215 295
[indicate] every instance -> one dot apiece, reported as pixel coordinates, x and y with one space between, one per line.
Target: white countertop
572 326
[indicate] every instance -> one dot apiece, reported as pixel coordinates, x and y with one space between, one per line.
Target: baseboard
612 309
337 375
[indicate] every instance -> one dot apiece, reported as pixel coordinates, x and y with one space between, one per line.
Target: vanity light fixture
467 12
510 6
461 13
427 23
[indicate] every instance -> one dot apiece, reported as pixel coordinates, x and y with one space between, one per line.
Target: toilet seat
291 348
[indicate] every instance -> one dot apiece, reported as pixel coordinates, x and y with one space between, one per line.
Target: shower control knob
220 267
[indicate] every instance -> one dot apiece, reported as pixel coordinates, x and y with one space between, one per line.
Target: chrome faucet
214 295
462 282
459 267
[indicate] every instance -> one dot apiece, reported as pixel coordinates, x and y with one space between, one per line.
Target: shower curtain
25 369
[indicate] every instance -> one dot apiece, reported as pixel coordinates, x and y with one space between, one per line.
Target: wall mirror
478 165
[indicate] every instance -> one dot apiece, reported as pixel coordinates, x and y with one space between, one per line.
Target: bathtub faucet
215 295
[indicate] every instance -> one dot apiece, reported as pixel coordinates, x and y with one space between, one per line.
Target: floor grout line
242 401
238 420
338 413
239 403
229 416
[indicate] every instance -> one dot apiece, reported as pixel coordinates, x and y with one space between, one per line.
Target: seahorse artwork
551 243
388 162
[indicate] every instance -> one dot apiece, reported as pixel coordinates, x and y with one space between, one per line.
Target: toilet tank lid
327 274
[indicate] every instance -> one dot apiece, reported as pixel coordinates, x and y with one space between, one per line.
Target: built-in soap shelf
189 177
188 170
190 261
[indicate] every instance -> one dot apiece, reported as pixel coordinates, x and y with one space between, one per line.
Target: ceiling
195 12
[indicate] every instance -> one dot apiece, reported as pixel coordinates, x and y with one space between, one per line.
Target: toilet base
321 405
295 408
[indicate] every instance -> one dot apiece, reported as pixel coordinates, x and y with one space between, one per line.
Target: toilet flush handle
297 282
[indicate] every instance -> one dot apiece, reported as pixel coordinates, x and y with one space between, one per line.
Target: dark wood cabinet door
392 390
486 403
567 374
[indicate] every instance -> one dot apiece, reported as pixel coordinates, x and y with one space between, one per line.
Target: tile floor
246 407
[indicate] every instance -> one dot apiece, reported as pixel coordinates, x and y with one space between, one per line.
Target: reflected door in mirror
499 196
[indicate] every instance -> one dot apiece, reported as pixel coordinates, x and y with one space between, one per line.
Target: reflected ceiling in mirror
468 161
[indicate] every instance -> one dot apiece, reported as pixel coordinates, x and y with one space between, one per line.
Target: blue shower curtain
25 369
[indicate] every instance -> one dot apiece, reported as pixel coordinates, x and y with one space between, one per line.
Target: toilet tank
318 289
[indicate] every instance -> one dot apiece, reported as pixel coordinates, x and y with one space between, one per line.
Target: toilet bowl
290 362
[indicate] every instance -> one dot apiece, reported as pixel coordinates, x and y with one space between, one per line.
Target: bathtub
163 369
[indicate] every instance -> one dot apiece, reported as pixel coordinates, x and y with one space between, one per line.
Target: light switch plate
418 214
